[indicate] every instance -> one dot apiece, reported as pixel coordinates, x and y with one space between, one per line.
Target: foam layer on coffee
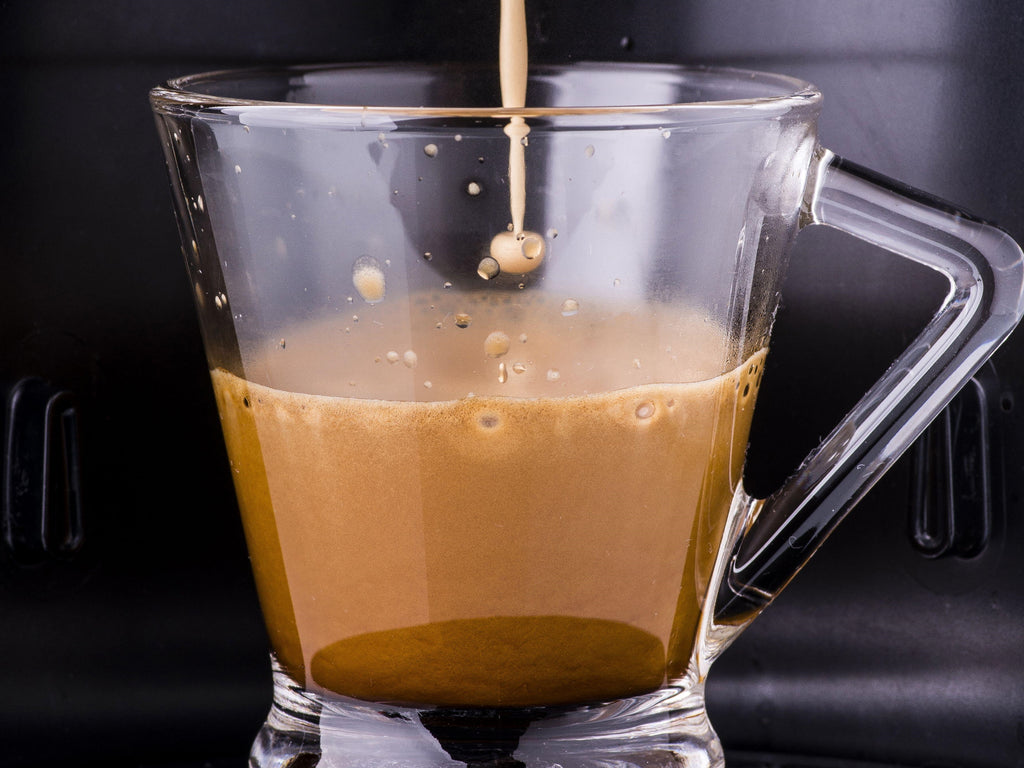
486 550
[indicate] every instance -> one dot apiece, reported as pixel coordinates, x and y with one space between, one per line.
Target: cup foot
665 729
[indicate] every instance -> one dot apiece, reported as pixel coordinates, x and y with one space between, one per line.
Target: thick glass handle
984 303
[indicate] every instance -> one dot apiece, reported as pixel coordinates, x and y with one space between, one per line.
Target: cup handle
778 534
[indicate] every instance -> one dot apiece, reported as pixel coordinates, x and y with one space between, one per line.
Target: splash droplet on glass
392 356
518 368
553 374
473 188
502 373
589 150
410 359
430 150
462 320
570 307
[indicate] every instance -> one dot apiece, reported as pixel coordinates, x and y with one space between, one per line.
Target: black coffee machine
132 635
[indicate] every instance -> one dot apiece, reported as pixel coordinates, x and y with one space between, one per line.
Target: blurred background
130 634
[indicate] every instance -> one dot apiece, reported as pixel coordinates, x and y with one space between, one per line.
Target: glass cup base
665 728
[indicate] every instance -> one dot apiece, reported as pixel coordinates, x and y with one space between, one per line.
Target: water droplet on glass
570 307
458 137
246 128
518 368
626 42
636 362
238 169
502 373
199 202
488 268
392 356
522 337
589 150
552 233
430 150
446 284
496 344
282 343
553 374
616 282
427 255
645 410
368 278
410 359
462 320
428 384
666 133
473 188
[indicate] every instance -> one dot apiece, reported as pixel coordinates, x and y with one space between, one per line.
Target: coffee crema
486 550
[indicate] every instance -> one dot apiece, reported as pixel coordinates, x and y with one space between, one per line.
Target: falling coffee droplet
368 279
517 254
496 344
488 268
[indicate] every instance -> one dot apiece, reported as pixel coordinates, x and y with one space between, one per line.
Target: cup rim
185 94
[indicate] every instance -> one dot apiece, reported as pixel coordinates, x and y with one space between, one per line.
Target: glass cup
486 378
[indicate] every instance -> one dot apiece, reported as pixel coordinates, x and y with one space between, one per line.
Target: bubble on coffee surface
368 279
570 307
496 344
645 410
488 268
517 254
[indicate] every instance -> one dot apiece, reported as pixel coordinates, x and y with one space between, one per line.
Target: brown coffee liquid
483 550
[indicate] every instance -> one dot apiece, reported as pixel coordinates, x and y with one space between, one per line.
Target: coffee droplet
462 320
518 254
368 279
570 307
496 344
488 268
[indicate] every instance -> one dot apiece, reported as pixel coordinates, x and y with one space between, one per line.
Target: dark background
145 648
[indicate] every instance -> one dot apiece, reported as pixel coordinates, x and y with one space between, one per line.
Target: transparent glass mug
492 492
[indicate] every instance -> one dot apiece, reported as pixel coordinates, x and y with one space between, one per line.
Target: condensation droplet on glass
645 410
636 362
428 384
518 368
238 169
462 320
488 268
199 202
522 337
246 128
473 188
392 356
427 255
368 279
410 359
496 344
616 282
589 150
458 137
447 284
355 318
552 233
282 343
332 191
430 150
553 374
382 139
570 307
666 133
502 373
